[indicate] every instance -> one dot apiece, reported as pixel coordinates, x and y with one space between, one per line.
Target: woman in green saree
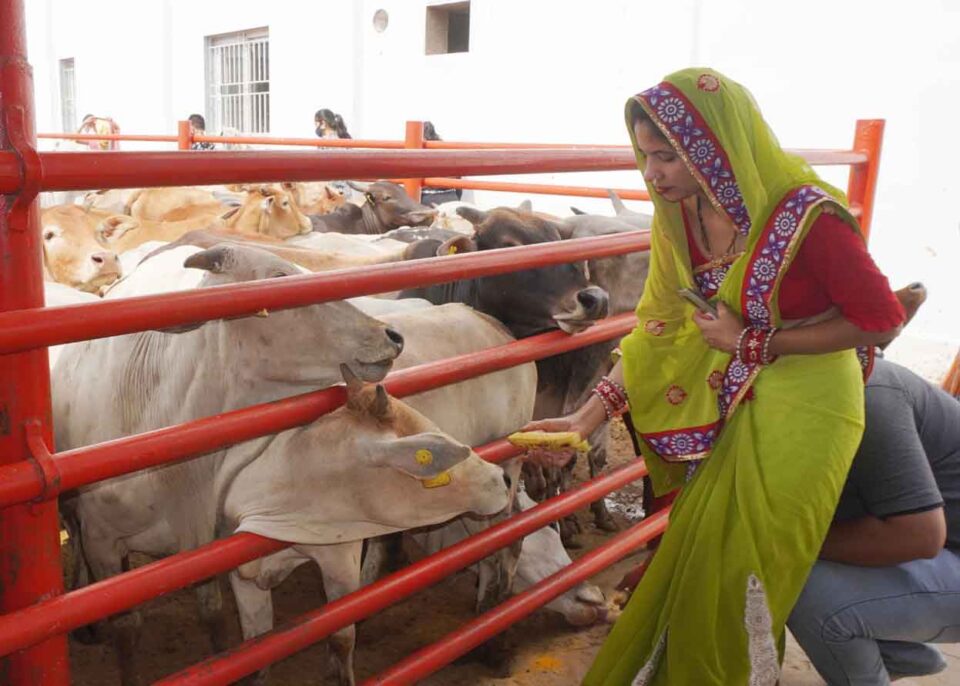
756 412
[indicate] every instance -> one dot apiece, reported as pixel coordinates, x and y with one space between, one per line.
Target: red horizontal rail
305 142
545 189
21 481
35 327
65 171
109 137
425 662
313 626
94 602
110 596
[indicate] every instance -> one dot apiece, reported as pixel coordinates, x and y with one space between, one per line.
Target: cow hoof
605 522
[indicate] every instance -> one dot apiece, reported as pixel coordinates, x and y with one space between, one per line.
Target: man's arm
873 542
892 476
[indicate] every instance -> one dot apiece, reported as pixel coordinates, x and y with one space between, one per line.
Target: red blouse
832 268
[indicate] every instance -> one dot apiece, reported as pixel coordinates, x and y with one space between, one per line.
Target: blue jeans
862 626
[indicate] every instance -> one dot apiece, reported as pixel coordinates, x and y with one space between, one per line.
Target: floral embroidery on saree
700 149
767 263
676 395
655 327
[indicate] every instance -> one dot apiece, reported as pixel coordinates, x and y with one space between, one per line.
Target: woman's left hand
721 333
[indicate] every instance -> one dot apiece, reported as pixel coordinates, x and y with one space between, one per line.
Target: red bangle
612 395
753 346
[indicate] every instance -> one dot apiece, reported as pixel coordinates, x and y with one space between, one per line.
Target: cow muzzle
592 303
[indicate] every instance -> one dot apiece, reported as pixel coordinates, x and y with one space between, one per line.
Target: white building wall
552 71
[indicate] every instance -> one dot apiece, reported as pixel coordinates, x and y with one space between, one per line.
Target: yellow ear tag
441 479
452 250
263 313
423 457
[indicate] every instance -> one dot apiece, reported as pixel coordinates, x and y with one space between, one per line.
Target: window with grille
238 81
68 96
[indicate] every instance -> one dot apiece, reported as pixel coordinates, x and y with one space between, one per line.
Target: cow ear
215 260
457 244
232 211
420 217
332 193
381 403
112 228
426 456
472 214
267 203
525 206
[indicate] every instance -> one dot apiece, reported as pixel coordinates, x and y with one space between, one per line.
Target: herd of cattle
340 486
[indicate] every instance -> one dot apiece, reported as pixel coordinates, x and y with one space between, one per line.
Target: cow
315 197
71 254
636 220
107 388
533 301
267 211
386 206
171 204
56 295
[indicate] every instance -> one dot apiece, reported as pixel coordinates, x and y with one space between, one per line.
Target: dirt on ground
543 650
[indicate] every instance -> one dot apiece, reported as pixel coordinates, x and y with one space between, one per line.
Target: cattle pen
36 611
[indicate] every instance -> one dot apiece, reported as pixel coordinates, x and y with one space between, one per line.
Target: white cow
107 388
57 294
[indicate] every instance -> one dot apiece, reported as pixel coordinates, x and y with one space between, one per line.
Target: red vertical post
413 139
29 534
862 186
184 135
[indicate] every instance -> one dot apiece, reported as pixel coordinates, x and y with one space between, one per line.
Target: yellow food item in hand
549 440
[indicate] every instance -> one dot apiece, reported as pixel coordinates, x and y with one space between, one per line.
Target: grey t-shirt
909 458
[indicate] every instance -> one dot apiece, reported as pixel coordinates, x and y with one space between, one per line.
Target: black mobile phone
698 301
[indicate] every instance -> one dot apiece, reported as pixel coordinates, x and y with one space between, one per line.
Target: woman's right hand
556 457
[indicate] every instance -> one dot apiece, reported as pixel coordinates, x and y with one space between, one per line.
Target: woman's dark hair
430 133
333 121
198 121
639 115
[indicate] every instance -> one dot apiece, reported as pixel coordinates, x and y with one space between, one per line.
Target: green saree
771 446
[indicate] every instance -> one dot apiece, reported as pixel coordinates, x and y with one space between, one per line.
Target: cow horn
576 210
359 186
472 214
618 206
214 260
525 206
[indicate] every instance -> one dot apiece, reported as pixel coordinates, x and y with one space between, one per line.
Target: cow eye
48 235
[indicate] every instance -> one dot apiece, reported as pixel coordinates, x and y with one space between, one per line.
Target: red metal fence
35 611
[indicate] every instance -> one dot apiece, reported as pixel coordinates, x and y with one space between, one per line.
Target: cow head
392 206
314 198
268 210
372 467
71 253
532 300
305 345
443 476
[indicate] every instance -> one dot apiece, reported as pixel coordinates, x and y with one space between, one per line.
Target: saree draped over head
774 444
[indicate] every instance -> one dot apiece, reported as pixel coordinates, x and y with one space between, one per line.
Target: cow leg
597 460
210 601
255 608
340 566
570 527
101 550
375 557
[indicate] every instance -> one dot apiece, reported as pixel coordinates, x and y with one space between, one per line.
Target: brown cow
71 254
267 211
315 197
386 207
168 204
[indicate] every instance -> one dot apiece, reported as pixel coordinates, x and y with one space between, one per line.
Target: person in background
329 124
888 579
431 195
93 124
198 125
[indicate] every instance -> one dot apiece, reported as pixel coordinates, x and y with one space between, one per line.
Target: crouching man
888 580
